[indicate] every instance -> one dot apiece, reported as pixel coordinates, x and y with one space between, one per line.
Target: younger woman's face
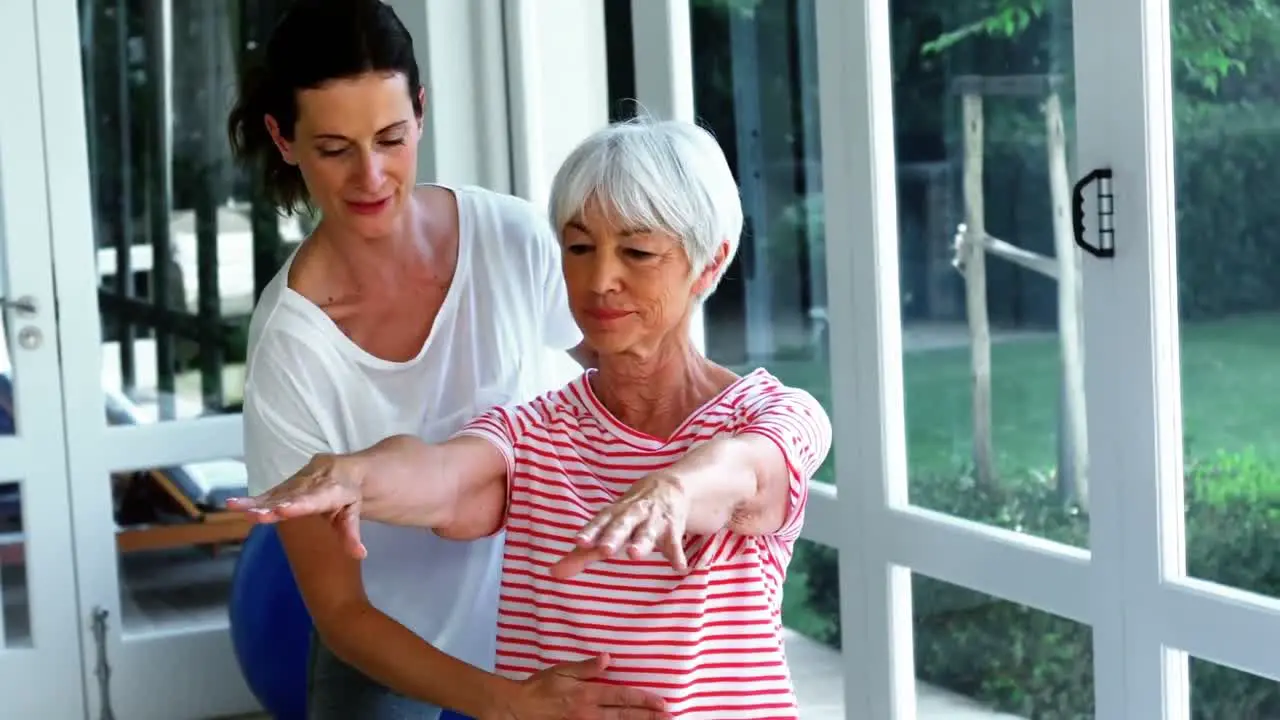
356 145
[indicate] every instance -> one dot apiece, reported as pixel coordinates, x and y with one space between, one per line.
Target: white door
39 622
135 99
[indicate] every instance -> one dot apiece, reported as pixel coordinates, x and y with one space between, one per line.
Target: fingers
577 560
636 527
587 535
300 503
583 669
673 549
611 702
625 698
632 713
260 509
248 505
348 523
639 527
645 537
306 493
619 531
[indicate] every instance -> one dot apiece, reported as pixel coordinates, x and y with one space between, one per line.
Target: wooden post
975 276
1073 463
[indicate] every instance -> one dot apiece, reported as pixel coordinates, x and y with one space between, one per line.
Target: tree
1212 39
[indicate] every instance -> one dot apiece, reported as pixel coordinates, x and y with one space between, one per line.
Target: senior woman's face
630 288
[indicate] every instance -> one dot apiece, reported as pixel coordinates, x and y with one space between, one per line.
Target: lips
606 314
362 207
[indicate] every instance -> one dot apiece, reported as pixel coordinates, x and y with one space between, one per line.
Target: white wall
663 58
512 86
558 85
459 44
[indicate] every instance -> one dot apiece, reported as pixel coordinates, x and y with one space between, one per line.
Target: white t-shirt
499 338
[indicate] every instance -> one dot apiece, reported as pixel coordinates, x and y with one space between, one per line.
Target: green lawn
1231 396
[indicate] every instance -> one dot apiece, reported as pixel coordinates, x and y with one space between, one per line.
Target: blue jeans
337 691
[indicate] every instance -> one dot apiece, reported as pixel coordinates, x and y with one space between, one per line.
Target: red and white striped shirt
710 642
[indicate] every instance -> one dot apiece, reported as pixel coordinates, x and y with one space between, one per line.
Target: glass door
749 72
1062 495
39 623
966 524
1191 307
160 249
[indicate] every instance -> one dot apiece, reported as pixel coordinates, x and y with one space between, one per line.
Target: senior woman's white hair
664 175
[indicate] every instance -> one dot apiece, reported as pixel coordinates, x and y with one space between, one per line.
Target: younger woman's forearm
389 653
402 483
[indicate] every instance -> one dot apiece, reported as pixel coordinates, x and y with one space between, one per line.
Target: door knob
24 306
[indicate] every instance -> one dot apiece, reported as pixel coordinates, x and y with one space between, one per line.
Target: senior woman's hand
652 514
329 485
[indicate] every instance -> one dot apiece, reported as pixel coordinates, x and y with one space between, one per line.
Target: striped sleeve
799 426
499 427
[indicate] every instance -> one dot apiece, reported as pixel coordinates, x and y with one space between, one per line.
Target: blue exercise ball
270 627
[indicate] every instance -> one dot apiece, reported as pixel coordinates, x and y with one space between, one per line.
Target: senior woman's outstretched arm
741 482
457 488
752 482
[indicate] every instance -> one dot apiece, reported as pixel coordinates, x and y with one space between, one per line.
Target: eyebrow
629 232
393 126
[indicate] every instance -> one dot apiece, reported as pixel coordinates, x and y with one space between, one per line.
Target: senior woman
651 506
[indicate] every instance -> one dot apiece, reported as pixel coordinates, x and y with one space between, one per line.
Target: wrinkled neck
655 393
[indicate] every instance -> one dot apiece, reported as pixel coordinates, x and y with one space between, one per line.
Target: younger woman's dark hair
316 41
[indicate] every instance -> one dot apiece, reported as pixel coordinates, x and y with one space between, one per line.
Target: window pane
184 241
977 657
8 403
1008 658
811 616
177 545
1219 692
755 86
15 607
1227 147
992 362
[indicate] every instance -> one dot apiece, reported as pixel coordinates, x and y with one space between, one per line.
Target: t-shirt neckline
642 440
345 345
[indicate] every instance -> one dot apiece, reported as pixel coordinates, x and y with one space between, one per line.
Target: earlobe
284 146
712 270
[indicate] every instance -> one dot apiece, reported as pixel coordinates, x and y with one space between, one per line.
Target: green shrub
1038 665
1228 231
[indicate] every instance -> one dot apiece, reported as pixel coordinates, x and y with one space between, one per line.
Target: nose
606 273
370 173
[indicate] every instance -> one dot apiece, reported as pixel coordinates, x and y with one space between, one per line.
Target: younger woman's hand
329 485
569 690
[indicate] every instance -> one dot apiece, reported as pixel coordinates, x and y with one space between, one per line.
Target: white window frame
1136 379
